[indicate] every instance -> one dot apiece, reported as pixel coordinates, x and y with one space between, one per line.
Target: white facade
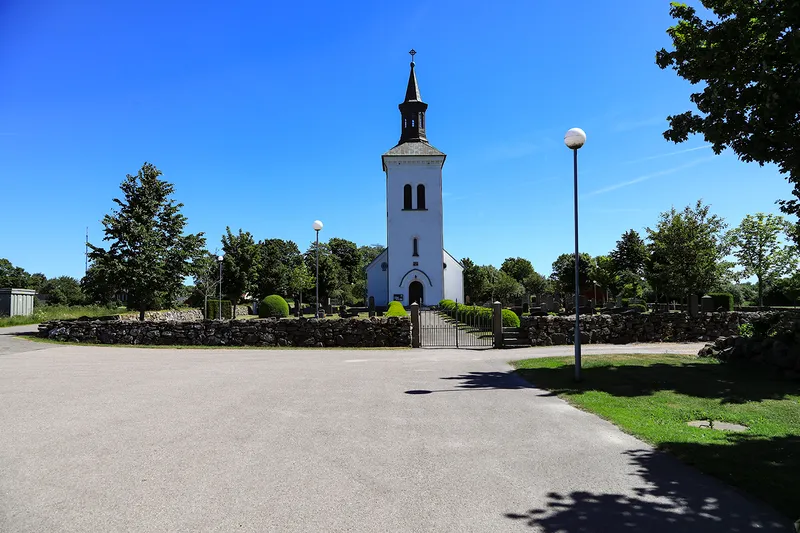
415 267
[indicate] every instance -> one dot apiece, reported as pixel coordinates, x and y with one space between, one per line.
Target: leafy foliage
563 275
686 251
273 306
13 277
746 61
149 254
721 299
213 309
239 265
757 246
518 268
396 309
475 280
63 290
277 259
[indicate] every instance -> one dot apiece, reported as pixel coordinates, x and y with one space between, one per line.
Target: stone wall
779 352
181 315
375 332
633 327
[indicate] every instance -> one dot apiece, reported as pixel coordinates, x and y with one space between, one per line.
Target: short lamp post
574 139
317 228
219 302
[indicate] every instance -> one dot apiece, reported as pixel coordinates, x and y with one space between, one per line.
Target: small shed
15 302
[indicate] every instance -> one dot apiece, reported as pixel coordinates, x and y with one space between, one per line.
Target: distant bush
510 319
213 309
641 307
273 306
722 299
396 309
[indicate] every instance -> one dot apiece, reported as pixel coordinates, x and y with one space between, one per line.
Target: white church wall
453 279
377 279
406 225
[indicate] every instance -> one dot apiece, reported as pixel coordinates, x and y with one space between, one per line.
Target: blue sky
268 115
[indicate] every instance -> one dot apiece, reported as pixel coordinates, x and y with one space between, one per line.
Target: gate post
415 325
497 324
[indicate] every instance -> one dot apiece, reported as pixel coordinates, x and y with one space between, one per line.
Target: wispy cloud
668 154
646 177
631 125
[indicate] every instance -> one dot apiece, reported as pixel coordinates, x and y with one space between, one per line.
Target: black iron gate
460 327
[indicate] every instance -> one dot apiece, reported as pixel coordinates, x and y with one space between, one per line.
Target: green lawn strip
34 338
59 312
653 397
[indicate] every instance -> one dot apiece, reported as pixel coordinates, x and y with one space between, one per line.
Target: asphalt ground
131 439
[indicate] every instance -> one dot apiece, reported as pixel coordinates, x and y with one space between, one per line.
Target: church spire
412 110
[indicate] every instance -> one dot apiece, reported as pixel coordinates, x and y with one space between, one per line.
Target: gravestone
371 306
707 304
693 305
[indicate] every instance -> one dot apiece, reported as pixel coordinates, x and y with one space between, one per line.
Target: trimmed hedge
510 319
273 306
396 309
722 299
213 309
472 314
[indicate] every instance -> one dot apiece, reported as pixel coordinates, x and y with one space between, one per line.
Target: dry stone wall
375 332
633 327
166 315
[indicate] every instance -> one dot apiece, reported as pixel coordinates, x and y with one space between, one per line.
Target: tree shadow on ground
671 499
729 382
490 380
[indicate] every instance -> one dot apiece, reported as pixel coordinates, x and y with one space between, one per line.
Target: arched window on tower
407 197
420 196
416 250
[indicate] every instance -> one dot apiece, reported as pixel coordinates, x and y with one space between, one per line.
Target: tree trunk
142 308
760 294
234 311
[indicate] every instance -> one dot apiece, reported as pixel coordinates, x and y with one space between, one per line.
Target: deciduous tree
239 265
149 253
757 245
687 249
745 59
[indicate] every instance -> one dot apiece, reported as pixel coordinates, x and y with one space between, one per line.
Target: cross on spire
413 53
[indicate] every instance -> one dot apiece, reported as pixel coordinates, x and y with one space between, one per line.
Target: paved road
123 439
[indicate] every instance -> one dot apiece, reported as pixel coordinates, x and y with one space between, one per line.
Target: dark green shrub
722 299
213 309
640 307
510 319
273 306
396 309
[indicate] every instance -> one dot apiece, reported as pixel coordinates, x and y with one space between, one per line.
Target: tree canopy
686 251
149 253
756 244
746 60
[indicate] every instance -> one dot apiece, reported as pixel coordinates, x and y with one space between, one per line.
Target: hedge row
473 313
722 299
396 309
213 309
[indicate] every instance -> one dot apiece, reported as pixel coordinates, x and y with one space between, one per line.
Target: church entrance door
415 290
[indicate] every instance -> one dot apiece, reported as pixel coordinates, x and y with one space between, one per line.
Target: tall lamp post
317 227
574 139
219 309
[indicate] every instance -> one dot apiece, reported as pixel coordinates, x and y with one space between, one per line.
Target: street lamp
219 311
317 226
574 139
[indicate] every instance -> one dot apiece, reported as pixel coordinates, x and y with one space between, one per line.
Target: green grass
653 396
59 312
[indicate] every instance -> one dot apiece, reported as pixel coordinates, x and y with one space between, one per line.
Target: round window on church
384 266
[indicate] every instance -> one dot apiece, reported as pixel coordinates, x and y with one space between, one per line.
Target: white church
415 267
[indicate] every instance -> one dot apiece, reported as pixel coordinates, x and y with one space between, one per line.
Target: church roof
414 148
